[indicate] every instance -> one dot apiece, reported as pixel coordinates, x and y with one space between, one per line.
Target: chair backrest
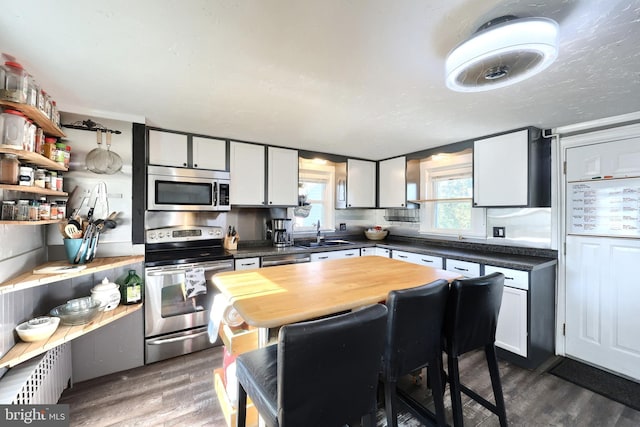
472 312
414 328
328 369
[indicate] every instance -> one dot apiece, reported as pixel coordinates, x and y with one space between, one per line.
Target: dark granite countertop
520 258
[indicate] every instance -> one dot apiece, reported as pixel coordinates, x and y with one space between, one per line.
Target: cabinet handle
401 204
508 278
402 256
270 203
248 263
349 254
184 164
323 257
195 165
425 260
461 269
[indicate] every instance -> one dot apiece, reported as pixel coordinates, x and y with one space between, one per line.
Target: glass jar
9 169
61 149
47 180
53 210
8 210
29 136
38 178
58 182
32 91
62 209
16 83
26 175
15 124
34 210
22 213
45 210
49 149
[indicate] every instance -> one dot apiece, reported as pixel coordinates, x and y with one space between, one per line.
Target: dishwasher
284 259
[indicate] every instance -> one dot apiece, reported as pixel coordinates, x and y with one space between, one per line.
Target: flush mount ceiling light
502 52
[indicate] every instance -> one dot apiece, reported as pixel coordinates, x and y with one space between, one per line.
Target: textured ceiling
363 78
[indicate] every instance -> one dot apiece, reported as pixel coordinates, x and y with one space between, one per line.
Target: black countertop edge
501 256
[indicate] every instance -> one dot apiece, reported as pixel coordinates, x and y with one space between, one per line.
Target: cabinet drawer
427 260
247 263
237 340
466 268
513 278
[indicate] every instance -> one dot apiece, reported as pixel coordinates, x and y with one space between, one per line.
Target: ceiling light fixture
502 52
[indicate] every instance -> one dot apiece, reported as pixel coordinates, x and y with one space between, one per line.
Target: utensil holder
231 242
71 247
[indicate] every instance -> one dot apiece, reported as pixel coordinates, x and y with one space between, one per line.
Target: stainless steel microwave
180 189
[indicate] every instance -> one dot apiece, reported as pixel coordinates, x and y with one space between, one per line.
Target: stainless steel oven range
179 265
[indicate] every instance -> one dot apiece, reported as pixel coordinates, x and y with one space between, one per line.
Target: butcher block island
276 296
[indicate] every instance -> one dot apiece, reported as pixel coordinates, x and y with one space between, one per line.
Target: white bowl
376 234
39 333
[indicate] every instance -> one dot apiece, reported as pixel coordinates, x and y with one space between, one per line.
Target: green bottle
132 290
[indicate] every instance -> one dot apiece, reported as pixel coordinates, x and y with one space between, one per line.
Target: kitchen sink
324 243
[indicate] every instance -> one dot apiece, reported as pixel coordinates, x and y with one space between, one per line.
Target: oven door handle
176 339
174 270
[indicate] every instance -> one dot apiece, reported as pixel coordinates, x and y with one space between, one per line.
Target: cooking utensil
83 245
115 162
95 158
72 231
93 246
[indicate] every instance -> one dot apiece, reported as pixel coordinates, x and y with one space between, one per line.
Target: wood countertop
275 296
29 279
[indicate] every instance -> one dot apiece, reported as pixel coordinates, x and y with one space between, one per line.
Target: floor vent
40 380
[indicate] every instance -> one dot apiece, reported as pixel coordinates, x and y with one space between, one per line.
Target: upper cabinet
253 184
247 168
182 150
392 183
282 178
209 153
361 184
618 159
512 170
168 149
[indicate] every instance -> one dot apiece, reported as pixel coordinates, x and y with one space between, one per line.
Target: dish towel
220 304
196 284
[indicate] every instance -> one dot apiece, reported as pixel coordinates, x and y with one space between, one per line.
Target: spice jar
26 175
62 209
38 178
47 180
49 148
22 213
45 210
8 210
58 182
34 210
9 169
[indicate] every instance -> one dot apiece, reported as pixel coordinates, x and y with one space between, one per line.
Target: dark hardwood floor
179 392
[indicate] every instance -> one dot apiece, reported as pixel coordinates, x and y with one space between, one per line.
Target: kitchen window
448 191
316 184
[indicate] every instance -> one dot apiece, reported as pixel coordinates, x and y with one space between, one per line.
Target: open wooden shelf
33 189
29 280
35 158
42 222
23 351
37 116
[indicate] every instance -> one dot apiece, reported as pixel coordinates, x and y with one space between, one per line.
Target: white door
247 174
282 182
361 184
603 302
392 183
167 148
209 153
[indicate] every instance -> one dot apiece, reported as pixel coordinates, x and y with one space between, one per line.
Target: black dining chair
470 323
414 341
320 373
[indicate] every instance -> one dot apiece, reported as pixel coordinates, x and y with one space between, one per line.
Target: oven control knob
152 236
160 235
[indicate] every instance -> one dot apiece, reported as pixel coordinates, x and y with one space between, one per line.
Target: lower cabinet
427 260
466 268
345 253
375 252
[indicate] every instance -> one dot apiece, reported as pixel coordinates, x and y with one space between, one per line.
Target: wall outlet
343 226
499 232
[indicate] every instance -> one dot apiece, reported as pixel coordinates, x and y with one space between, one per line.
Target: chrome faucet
318 236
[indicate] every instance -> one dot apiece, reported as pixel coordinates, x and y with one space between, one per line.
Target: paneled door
603 302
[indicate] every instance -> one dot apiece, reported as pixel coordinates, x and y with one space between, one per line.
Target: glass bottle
132 289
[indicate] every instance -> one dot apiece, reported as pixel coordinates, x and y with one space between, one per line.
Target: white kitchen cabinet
466 268
247 263
168 148
375 251
361 184
247 171
511 332
209 153
392 183
512 169
282 179
345 253
415 258
617 159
